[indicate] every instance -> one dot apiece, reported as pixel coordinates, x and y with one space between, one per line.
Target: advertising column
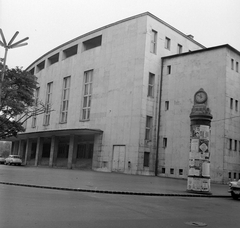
199 155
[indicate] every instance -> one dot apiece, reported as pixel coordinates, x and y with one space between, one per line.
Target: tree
18 103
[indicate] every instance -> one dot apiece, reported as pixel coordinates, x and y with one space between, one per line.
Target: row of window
234 145
180 171
167 44
86 101
68 52
234 176
234 105
234 65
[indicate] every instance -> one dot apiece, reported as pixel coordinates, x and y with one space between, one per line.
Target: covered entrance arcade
76 148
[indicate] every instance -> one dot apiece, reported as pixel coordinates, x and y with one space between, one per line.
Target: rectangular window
230 144
234 175
235 145
92 43
236 105
87 94
229 175
231 103
179 49
169 69
146 159
53 59
65 99
180 172
70 51
239 147
48 102
34 116
148 128
171 171
151 80
153 45
166 105
164 142
232 64
163 170
40 66
167 43
237 67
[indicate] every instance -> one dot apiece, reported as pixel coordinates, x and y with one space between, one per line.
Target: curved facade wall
104 90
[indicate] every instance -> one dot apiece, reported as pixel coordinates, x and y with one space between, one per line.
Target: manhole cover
197 224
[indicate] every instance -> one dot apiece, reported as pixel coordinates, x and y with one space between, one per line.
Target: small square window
166 105
231 103
180 172
169 69
229 175
232 64
179 49
167 43
164 142
235 145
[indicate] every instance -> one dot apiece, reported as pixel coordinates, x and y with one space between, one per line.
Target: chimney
190 36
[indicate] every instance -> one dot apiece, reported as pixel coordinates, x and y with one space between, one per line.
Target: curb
115 192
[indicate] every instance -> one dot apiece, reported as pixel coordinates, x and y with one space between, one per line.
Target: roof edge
112 24
202 50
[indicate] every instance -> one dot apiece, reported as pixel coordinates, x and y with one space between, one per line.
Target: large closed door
118 158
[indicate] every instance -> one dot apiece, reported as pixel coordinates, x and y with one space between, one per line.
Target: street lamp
7 46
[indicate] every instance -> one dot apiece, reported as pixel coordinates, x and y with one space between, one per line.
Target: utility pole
7 46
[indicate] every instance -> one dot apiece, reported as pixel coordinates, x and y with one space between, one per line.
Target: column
28 151
71 151
53 151
39 151
15 147
20 148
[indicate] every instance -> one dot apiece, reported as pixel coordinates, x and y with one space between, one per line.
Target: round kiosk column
199 155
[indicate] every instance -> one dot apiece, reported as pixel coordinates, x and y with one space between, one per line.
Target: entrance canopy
63 132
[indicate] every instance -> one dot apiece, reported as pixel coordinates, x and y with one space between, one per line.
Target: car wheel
234 196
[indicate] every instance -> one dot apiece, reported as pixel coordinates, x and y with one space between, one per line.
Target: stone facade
105 88
211 70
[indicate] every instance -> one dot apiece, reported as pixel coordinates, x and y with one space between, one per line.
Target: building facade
216 70
115 106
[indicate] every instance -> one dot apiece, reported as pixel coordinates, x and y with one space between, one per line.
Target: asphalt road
45 208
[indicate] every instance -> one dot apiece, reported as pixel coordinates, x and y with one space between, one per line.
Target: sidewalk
100 182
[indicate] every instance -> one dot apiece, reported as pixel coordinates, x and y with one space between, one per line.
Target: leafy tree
18 103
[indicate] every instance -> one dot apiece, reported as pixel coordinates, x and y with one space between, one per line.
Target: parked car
2 159
234 189
13 160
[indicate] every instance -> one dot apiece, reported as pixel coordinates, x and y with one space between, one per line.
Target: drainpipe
159 118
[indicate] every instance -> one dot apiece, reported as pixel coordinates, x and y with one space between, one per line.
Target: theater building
121 96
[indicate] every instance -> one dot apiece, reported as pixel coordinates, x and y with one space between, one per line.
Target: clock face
201 97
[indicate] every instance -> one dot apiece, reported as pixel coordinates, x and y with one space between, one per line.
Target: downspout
159 118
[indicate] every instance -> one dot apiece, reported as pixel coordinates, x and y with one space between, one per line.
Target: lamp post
7 46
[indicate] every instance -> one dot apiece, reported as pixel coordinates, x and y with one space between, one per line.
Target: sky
50 23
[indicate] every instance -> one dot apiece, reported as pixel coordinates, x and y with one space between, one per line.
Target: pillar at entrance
39 151
28 151
199 156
